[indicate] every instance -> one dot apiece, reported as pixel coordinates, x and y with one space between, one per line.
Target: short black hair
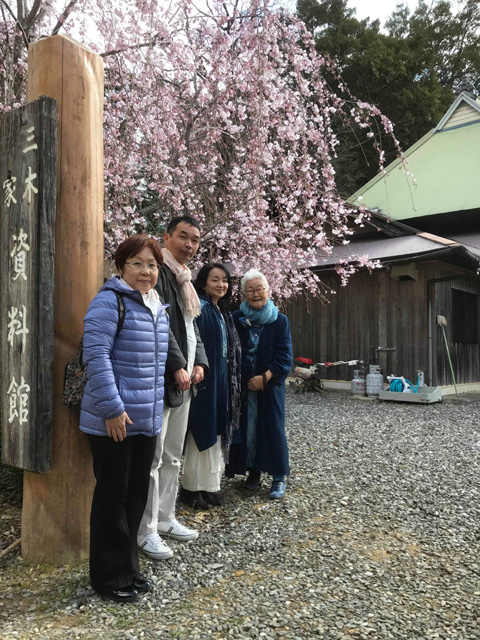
174 222
202 276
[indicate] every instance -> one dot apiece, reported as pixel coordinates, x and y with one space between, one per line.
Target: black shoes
213 499
253 480
141 585
200 499
123 595
194 499
131 593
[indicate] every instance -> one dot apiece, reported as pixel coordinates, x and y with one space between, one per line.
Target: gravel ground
378 536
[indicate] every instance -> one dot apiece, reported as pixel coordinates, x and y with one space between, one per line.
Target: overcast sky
380 9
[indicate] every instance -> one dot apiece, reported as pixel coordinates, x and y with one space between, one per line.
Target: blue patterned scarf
266 315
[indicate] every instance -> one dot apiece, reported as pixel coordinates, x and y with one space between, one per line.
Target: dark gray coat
169 292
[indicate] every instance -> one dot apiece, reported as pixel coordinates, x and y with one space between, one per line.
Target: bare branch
30 19
20 10
147 211
11 547
65 13
151 43
17 22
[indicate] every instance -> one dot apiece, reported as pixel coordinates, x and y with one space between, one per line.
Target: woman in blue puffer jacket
125 351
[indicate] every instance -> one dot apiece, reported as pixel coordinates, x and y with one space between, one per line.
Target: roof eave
462 97
388 225
457 255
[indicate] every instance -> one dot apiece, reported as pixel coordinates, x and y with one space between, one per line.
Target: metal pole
449 358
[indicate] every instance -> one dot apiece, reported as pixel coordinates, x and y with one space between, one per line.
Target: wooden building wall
375 310
465 357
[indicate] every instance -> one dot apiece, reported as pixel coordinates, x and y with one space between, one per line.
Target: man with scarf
185 367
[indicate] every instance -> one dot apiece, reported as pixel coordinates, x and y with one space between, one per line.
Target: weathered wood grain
55 519
28 148
375 310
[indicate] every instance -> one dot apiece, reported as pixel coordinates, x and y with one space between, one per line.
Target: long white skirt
202 470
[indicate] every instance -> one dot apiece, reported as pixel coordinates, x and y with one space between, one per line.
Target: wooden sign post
28 148
56 506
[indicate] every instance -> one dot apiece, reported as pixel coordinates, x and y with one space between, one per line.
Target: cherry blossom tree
220 110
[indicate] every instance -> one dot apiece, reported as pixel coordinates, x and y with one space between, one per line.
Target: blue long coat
274 353
209 408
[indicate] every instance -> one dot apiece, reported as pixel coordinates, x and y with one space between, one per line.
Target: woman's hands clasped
184 381
116 427
257 383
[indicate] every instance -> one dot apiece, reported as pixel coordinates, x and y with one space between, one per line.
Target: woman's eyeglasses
258 290
136 265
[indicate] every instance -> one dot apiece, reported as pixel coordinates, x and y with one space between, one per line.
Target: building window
465 317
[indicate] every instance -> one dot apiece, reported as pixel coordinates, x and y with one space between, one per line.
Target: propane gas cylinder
358 383
374 380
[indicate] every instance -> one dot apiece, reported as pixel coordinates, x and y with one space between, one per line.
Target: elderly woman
125 343
266 360
215 411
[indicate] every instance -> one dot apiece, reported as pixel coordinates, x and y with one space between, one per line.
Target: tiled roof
406 248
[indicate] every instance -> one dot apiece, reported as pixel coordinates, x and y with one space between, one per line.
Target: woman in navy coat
266 361
215 411
122 411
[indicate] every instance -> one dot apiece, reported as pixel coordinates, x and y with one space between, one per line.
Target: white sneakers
177 531
153 546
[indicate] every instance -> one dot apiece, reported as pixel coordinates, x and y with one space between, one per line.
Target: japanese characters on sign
27 215
18 394
19 254
10 184
18 401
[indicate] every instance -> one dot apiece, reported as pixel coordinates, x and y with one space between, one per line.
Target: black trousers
122 471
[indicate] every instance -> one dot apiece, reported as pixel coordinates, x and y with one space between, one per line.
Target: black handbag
173 395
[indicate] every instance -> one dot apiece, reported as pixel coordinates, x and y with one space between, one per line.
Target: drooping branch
218 112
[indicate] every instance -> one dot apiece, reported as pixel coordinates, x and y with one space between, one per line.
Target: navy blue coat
209 409
125 370
274 353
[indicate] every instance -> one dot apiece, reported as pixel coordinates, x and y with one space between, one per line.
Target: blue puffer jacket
125 371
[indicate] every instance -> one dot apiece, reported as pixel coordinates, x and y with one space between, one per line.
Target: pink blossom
222 112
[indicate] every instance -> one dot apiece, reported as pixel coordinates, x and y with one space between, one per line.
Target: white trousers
202 470
163 487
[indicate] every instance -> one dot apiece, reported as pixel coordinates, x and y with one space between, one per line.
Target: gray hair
250 275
